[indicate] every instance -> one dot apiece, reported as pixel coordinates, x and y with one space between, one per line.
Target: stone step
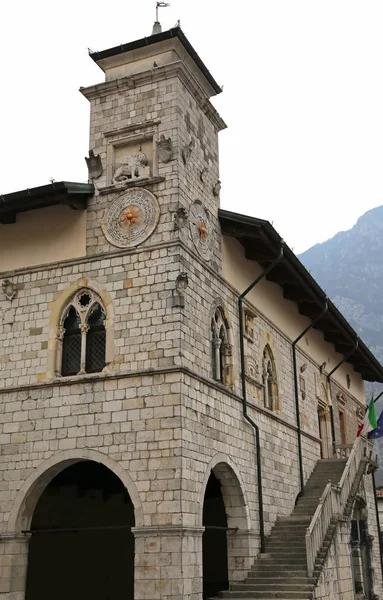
274 544
293 572
285 562
246 594
278 580
268 587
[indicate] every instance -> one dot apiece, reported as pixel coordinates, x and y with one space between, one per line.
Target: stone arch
55 321
240 538
233 491
22 511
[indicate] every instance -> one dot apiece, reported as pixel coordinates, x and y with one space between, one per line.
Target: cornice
175 69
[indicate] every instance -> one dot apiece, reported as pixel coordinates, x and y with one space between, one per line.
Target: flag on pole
370 423
378 432
162 4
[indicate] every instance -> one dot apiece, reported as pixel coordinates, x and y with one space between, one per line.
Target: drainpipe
344 359
296 391
377 509
244 393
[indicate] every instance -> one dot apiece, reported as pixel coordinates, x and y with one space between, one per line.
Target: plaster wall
41 236
268 299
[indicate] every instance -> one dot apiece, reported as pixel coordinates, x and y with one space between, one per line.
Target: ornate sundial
201 229
131 218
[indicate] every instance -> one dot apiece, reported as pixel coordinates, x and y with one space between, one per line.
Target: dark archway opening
214 540
82 546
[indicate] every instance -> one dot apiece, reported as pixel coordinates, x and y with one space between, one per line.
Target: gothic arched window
83 335
269 379
222 350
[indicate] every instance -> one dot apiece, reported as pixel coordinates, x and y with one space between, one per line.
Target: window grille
71 353
95 341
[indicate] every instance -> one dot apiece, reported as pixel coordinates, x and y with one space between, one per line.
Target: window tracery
269 379
222 348
82 336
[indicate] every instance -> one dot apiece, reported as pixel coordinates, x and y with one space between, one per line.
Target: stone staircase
282 571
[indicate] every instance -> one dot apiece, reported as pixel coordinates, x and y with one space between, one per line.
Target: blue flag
378 432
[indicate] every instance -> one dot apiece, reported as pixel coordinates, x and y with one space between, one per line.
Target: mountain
349 267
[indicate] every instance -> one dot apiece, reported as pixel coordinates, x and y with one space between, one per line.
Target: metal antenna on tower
157 25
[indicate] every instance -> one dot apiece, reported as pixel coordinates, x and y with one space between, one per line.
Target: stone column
168 563
13 565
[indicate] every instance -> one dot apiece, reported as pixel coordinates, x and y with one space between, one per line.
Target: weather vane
160 5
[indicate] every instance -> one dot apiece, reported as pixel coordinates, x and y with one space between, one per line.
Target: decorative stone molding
9 289
341 398
94 165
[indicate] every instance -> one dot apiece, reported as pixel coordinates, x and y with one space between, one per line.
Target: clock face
131 218
201 229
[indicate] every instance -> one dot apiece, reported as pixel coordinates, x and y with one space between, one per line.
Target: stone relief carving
341 398
9 289
182 283
132 166
94 165
201 229
217 188
302 386
186 152
204 175
180 218
252 369
249 318
165 149
131 218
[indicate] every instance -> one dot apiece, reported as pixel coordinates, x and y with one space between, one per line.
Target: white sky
303 98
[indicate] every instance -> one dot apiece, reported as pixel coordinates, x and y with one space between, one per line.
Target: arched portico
224 506
86 503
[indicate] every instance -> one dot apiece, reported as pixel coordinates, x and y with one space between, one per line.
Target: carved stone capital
217 342
60 333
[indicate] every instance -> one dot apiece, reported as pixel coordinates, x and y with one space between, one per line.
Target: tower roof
103 58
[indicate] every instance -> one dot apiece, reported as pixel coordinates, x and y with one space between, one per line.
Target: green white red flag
370 422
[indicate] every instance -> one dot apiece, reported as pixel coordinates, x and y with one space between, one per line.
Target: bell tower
154 147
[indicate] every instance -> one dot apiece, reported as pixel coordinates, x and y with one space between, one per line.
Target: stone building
176 389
